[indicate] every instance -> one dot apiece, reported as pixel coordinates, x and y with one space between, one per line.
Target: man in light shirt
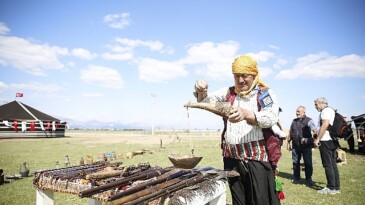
327 147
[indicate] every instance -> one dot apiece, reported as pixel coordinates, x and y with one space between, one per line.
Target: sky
135 62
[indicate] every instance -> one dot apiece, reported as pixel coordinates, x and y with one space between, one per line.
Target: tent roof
20 111
359 120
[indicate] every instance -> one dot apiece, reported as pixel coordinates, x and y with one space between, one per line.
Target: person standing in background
327 147
300 135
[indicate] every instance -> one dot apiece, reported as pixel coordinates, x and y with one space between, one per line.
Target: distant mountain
94 124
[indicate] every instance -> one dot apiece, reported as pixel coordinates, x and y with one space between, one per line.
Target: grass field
43 153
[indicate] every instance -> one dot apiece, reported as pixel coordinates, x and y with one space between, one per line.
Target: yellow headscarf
247 65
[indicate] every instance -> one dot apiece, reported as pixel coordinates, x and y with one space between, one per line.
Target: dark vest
299 129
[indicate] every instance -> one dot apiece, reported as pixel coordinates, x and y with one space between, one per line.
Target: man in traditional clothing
254 108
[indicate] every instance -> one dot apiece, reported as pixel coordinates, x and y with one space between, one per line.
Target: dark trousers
297 153
255 185
351 143
328 156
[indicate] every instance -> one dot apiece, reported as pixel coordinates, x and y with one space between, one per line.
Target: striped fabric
242 140
254 150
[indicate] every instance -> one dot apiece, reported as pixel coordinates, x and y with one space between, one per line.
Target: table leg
93 202
44 197
219 200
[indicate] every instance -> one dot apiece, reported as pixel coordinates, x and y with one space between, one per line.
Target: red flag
32 126
48 126
15 124
18 95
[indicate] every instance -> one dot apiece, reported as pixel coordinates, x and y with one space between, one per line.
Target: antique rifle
69 172
187 180
160 188
104 174
145 192
127 180
163 178
179 184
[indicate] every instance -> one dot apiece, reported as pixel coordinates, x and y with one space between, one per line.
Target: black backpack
340 128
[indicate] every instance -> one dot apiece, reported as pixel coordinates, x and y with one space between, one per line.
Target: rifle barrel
181 184
127 180
163 178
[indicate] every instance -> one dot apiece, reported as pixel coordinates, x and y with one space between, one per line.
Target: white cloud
120 49
124 49
168 50
3 29
207 52
265 72
102 76
92 95
117 21
152 45
274 47
70 64
216 71
36 87
37 90
323 65
117 56
28 56
209 59
261 56
82 53
212 59
280 63
155 71
3 86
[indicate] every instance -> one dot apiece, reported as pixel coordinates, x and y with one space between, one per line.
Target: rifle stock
165 177
145 192
127 180
179 185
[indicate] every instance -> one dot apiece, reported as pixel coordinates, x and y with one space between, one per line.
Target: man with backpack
300 135
254 111
327 147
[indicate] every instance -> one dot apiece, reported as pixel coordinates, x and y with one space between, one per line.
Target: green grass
43 153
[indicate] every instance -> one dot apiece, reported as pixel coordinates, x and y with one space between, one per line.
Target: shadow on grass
352 152
285 175
315 185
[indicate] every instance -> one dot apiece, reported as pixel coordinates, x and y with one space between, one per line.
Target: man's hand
288 140
288 146
237 114
316 143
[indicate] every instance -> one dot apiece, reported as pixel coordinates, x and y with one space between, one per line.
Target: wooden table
217 197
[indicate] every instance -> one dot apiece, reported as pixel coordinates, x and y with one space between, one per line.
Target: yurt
20 120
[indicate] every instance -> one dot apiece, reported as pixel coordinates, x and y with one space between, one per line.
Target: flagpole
153 113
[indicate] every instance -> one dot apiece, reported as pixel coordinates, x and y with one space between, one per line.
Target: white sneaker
328 191
324 191
335 191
